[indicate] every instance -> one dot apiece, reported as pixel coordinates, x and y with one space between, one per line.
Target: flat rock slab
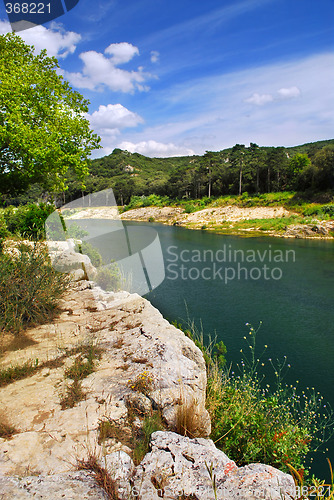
70 486
136 342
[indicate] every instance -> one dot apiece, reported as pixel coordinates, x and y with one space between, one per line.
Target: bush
109 278
87 249
29 288
254 423
147 201
189 208
3 226
28 221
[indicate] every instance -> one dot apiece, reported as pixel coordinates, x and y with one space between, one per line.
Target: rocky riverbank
143 365
222 219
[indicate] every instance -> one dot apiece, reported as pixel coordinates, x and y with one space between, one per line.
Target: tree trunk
240 181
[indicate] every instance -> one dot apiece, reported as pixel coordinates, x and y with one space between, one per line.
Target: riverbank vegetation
253 421
29 287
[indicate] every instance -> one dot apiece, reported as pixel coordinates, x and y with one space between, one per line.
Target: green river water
224 282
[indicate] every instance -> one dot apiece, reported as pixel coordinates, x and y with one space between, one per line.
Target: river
223 282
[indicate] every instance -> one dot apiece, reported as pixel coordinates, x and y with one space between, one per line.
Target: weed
13 373
84 364
212 477
101 475
187 420
315 488
109 277
6 430
151 423
142 383
253 423
73 394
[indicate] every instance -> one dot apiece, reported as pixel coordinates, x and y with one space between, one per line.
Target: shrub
3 226
151 423
254 423
142 383
28 221
100 474
75 231
109 278
147 201
189 208
29 288
87 249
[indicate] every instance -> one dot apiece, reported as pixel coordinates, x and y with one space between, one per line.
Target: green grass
14 373
84 363
151 423
72 395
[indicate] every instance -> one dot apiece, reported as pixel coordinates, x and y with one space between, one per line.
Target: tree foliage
43 131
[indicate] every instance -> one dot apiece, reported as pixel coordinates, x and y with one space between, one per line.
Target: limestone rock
319 229
71 486
179 466
66 261
121 468
136 342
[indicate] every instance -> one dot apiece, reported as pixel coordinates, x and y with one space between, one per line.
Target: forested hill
253 169
230 171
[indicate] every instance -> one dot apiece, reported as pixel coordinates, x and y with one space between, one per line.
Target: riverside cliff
142 365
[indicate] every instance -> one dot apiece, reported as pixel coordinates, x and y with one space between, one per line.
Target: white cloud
56 40
155 56
260 99
210 113
113 117
4 27
283 93
289 93
121 52
155 149
100 71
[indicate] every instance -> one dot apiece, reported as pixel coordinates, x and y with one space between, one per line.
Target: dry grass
101 475
73 394
6 429
188 422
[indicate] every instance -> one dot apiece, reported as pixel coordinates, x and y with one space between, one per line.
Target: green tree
324 161
297 164
43 131
209 167
255 165
238 162
276 164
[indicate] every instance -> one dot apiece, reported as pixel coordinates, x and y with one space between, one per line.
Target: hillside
255 169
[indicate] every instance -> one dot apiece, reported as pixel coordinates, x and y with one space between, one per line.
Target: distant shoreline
231 219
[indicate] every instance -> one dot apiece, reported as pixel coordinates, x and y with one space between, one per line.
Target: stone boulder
194 468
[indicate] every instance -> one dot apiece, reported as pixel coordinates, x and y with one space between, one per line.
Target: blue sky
183 77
